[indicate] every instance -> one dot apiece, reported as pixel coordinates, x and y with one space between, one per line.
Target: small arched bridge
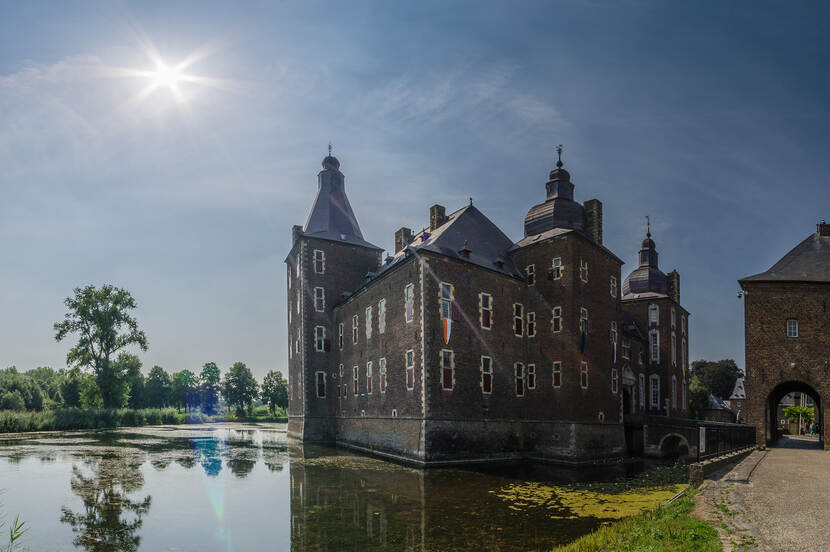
665 437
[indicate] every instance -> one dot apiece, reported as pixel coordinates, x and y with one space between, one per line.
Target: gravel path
774 500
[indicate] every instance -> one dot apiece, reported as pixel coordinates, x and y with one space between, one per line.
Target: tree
275 391
71 389
718 377
129 365
157 388
698 395
102 320
185 389
12 400
14 384
799 414
209 387
239 387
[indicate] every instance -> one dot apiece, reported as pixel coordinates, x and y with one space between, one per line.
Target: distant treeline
48 389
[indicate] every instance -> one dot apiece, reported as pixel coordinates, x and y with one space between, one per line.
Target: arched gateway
787 329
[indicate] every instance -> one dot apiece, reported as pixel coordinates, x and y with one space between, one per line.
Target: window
683 324
531 274
531 376
614 381
583 271
355 382
485 310
673 350
319 338
557 374
368 322
409 299
626 348
583 375
319 299
684 351
683 396
519 370
319 262
382 371
354 329
557 319
654 342
369 378
518 319
556 269
792 327
297 343
446 301
613 336
486 375
299 297
340 336
613 286
655 391
653 315
382 316
601 416
531 324
298 265
288 277
447 369
641 356
674 391
642 390
583 319
321 385
410 370
673 318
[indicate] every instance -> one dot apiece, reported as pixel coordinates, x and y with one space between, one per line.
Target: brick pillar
403 237
593 218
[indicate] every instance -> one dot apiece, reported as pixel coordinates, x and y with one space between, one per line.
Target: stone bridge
664 437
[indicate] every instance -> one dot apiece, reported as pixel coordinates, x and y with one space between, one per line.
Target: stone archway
674 445
772 420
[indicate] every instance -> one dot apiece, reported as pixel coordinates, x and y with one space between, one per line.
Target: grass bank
12 421
667 528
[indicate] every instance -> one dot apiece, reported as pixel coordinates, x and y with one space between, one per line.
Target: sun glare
166 76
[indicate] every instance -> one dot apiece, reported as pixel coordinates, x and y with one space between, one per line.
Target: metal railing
716 438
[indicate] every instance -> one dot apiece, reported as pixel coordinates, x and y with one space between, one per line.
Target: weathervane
559 153
648 226
329 148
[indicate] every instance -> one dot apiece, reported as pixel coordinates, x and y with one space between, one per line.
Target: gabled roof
467 229
809 261
715 403
555 232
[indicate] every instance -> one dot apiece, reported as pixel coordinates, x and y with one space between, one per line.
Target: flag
446 323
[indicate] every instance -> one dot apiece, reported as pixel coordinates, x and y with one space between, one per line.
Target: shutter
550 274
456 311
327 345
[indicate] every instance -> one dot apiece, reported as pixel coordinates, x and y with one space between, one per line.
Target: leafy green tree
275 391
90 392
13 381
799 413
157 388
718 377
130 365
71 389
209 386
101 318
49 381
185 390
239 387
698 395
12 400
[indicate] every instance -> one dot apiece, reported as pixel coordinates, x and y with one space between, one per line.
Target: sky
709 117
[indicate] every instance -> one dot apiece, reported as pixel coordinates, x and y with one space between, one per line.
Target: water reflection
110 519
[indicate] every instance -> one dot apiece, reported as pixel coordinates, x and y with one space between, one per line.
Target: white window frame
368 323
482 309
654 391
653 314
792 328
382 383
320 295
626 348
583 319
356 380
445 299
382 316
531 324
322 261
613 287
683 323
673 349
288 277
340 336
583 271
556 315
654 345
486 366
447 354
583 371
409 302
409 361
518 317
299 259
531 371
556 369
299 300
519 375
673 318
530 272
615 382
370 382
556 265
317 375
355 328
320 339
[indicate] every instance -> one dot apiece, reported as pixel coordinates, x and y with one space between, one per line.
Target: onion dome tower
647 277
559 209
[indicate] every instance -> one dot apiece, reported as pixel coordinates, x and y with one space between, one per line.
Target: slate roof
466 228
714 403
809 261
629 326
331 216
554 232
738 393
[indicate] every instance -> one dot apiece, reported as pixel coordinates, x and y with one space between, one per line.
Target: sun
165 75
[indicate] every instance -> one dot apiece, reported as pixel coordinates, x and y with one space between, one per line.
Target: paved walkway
775 499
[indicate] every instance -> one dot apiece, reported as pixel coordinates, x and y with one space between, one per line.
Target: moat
235 487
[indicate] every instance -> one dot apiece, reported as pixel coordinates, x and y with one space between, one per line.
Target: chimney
296 232
674 286
823 229
593 219
403 237
437 216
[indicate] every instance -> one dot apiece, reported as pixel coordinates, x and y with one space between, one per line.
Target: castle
464 346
